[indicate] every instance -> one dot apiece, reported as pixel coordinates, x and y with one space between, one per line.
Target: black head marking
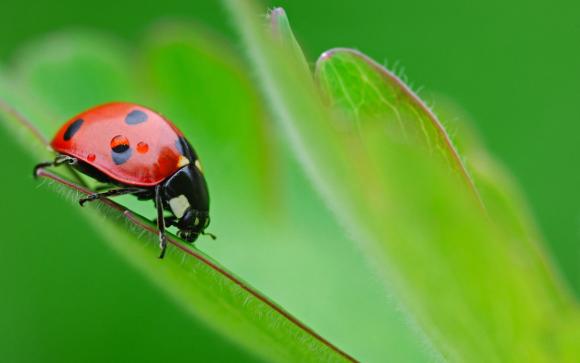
72 129
135 117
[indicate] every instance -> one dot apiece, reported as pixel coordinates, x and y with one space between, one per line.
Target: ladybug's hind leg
59 160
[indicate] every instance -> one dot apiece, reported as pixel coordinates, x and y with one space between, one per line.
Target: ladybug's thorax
185 195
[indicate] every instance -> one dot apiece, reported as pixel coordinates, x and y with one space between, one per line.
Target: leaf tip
277 12
334 52
278 20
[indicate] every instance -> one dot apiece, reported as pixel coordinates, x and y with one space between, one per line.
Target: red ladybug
143 153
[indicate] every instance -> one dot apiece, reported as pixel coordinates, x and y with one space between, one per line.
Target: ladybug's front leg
59 160
160 221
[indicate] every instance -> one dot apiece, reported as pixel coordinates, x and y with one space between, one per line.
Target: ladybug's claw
60 159
82 201
40 166
162 244
160 221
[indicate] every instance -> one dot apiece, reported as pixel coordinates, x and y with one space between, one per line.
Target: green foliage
313 270
461 258
452 264
503 200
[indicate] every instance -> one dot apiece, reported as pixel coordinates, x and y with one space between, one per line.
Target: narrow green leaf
448 263
198 283
280 28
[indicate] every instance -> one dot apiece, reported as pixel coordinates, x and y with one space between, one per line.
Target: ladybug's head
192 224
185 196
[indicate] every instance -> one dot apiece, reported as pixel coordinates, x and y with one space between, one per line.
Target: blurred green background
514 67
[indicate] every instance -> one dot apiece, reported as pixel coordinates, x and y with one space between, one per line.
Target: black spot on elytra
122 156
72 129
135 117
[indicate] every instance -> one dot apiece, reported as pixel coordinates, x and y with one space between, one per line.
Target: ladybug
142 153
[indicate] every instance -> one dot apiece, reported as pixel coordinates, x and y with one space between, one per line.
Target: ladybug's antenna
213 236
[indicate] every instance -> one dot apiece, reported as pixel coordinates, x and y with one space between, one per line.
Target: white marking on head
179 205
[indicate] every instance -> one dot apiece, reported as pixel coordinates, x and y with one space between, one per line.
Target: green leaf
503 199
282 33
203 287
506 203
448 263
368 93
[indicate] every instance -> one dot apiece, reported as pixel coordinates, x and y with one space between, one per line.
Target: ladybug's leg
59 160
100 188
110 193
160 221
170 221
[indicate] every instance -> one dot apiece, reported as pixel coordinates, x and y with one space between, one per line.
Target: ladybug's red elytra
143 153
